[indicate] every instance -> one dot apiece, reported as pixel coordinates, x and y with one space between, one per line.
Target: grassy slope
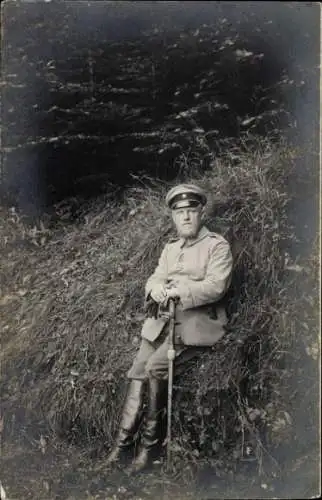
72 311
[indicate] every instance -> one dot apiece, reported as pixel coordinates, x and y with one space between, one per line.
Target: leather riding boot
129 422
152 432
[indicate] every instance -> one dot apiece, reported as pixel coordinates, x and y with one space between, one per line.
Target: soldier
194 268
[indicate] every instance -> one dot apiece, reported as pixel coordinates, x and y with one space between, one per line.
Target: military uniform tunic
201 272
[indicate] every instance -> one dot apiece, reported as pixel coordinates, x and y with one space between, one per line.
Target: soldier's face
187 221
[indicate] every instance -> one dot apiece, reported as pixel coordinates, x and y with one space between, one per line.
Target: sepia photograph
160 250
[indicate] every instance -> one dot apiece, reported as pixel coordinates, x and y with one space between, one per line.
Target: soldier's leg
132 407
137 370
156 369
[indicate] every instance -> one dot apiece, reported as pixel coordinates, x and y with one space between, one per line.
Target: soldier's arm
216 282
160 275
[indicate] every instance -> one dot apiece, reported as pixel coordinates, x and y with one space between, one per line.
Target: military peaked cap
190 193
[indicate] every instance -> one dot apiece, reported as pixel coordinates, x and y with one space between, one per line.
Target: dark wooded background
95 91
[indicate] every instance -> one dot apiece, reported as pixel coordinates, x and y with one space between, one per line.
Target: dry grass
72 312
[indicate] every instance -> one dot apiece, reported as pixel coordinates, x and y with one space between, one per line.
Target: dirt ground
35 466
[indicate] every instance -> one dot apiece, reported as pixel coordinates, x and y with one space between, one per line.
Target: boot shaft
157 398
132 405
157 395
131 415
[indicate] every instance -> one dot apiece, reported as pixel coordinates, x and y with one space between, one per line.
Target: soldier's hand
159 293
171 293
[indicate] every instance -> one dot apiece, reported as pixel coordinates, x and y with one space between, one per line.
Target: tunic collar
203 232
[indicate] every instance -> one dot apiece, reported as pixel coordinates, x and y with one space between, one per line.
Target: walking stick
171 357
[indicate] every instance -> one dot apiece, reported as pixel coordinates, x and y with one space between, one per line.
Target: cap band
192 198
185 204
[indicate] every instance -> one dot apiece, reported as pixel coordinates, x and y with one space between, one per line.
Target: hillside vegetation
72 308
